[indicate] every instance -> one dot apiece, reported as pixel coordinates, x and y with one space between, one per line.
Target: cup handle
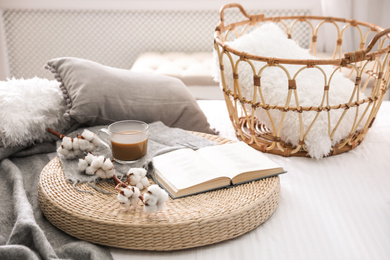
103 131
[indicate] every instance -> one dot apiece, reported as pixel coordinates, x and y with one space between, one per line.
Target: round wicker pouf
187 222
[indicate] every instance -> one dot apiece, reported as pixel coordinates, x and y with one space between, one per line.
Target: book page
238 157
184 168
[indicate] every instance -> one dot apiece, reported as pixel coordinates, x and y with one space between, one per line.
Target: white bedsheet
334 208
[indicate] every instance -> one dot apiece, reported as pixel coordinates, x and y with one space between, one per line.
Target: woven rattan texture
111 37
187 222
367 65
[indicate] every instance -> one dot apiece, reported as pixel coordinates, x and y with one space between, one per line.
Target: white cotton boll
156 190
96 141
107 165
139 186
134 201
70 155
163 198
129 196
150 199
134 178
84 144
82 165
142 171
139 171
90 170
123 200
90 147
136 192
155 198
89 158
135 175
110 173
134 198
128 192
88 135
75 144
101 173
78 153
97 162
62 151
67 143
145 182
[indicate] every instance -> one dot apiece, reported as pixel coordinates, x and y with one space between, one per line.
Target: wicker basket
242 110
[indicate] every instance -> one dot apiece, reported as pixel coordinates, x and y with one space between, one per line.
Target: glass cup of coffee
129 140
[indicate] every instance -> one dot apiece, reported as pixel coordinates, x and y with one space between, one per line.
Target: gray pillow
99 95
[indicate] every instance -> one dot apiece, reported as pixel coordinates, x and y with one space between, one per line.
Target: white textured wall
4 68
111 32
313 5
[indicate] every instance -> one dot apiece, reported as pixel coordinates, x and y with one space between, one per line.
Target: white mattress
334 208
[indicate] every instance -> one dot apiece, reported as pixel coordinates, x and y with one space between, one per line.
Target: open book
185 172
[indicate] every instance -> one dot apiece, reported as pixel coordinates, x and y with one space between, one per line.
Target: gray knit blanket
25 233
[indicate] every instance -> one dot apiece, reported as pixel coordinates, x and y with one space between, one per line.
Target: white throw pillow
27 108
270 41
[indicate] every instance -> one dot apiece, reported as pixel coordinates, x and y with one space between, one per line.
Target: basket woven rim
311 62
184 223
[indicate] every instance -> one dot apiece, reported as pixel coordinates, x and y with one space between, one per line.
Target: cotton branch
72 148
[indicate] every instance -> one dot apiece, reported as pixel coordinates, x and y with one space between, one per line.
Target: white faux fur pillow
27 108
270 41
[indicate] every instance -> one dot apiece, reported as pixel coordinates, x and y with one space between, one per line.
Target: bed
334 208
331 208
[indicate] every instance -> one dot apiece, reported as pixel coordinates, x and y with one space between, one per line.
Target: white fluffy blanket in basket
270 41
27 108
